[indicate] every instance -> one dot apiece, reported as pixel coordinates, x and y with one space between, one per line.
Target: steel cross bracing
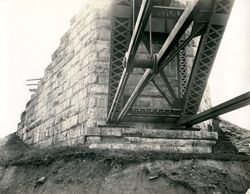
205 56
208 19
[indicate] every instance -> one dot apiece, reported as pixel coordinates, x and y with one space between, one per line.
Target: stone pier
72 100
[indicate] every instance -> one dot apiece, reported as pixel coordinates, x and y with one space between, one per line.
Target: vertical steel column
133 46
205 56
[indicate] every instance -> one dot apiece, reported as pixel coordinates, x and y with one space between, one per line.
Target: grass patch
47 156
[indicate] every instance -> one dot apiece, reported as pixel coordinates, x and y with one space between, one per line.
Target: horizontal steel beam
155 112
168 8
142 62
228 106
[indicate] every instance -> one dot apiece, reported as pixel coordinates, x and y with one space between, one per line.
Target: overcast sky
30 31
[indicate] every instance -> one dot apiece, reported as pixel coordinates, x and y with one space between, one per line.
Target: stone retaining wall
71 98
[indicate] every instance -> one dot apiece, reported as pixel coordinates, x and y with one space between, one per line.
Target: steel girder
129 55
179 29
205 56
228 106
209 19
119 44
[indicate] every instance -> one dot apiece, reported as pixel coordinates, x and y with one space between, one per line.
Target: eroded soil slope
78 171
25 170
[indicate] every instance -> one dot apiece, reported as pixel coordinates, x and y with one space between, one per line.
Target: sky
30 31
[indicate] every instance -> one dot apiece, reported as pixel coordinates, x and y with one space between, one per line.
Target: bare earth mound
74 170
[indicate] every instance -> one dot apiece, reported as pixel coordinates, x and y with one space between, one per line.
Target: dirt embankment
92 175
75 170
235 137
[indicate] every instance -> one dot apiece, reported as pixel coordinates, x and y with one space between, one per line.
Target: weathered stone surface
132 132
111 132
173 134
159 140
148 147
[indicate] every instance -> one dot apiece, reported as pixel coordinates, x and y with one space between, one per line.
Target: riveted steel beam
205 56
178 30
133 46
146 78
140 25
167 83
204 15
182 24
228 106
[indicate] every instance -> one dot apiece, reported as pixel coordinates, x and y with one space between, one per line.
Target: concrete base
172 141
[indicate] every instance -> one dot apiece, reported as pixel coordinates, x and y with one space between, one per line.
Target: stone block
93 139
80 140
101 23
91 78
146 144
103 55
132 132
73 121
111 131
189 61
97 113
179 134
93 131
83 93
65 124
191 51
91 124
82 117
100 45
92 102
99 89
103 78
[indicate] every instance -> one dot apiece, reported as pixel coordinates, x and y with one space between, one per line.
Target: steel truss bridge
134 22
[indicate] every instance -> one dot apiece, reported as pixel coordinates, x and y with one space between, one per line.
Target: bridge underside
153 22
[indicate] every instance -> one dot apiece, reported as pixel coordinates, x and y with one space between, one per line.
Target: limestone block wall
71 98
